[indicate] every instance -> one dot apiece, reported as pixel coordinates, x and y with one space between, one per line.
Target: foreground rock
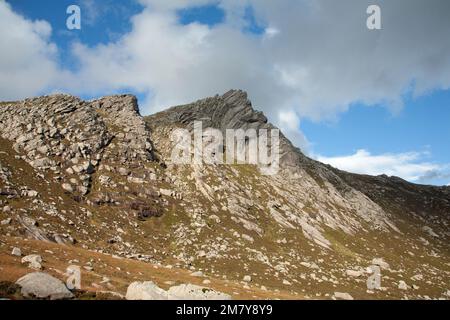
149 291
145 291
43 286
342 296
193 292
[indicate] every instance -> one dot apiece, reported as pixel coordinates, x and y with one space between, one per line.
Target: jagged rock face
96 174
70 137
65 151
233 110
302 184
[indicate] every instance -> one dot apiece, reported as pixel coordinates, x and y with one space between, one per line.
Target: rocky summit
91 184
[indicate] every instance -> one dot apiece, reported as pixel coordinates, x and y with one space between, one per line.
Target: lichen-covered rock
43 286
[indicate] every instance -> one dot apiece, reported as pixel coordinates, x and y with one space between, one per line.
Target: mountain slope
95 174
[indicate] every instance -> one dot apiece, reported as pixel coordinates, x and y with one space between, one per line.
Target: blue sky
102 22
280 55
422 125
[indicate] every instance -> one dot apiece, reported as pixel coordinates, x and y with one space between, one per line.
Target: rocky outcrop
193 292
147 290
233 110
70 137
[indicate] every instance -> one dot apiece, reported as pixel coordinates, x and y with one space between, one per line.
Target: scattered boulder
417 277
67 187
29 221
32 193
124 172
145 291
136 180
6 221
342 296
247 278
286 282
166 192
149 291
381 263
16 252
34 261
42 163
354 273
201 254
310 265
193 292
43 286
402 285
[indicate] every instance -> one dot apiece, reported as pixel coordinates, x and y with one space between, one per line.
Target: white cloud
27 57
314 59
90 11
289 123
290 120
271 32
318 60
410 166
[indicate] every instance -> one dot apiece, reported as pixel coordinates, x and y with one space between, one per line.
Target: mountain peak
236 98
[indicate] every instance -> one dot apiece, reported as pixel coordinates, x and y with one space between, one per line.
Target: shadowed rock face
97 174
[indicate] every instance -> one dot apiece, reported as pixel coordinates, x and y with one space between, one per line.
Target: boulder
124 172
166 192
16 252
354 273
310 265
381 263
32 193
342 296
193 292
67 187
43 286
402 285
41 163
34 261
29 221
6 221
145 291
149 291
